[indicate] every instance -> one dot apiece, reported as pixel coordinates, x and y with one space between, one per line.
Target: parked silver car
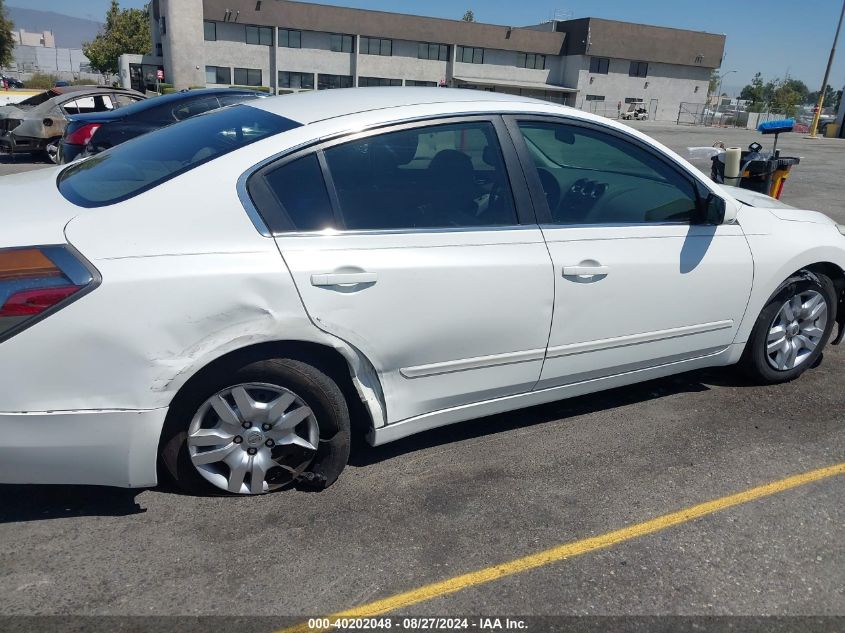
38 123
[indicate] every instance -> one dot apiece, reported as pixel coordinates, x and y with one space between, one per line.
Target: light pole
819 105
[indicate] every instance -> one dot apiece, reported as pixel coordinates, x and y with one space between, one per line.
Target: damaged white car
233 296
36 125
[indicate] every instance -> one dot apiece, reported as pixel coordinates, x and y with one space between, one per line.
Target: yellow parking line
575 548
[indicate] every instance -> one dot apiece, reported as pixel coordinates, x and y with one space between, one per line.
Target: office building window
599 65
302 81
159 52
632 99
368 82
218 75
162 25
433 51
469 55
376 46
262 35
426 84
210 29
342 43
327 82
638 69
595 97
290 39
248 76
531 60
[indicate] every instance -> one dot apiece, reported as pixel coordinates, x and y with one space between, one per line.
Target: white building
288 46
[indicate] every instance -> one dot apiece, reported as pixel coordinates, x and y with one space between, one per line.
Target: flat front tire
791 330
265 426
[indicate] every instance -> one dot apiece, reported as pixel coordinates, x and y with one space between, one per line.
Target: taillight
83 135
37 281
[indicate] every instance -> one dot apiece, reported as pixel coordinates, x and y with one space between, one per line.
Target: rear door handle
585 271
343 279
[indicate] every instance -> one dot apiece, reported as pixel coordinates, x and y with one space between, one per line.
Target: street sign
160 74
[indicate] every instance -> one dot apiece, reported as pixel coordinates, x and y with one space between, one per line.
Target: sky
774 38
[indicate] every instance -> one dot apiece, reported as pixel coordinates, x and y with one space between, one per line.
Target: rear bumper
11 144
105 447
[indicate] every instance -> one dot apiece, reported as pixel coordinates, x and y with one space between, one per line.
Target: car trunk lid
33 211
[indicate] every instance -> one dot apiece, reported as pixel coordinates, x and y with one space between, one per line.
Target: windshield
141 164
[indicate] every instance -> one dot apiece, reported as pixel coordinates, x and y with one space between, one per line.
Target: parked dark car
90 134
11 81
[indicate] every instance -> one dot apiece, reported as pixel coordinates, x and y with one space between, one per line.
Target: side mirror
713 210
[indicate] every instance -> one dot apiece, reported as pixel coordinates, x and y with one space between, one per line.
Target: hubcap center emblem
254 438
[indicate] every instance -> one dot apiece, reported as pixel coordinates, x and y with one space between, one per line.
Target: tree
754 93
7 44
831 97
125 31
713 86
469 16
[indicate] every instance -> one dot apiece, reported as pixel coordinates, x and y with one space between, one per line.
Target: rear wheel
51 150
792 330
260 428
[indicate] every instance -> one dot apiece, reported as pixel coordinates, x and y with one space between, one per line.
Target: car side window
122 100
593 177
293 195
160 115
197 106
86 105
235 98
438 176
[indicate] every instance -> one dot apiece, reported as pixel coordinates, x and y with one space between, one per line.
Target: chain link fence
711 116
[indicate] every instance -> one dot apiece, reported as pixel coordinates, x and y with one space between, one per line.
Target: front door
422 252
637 282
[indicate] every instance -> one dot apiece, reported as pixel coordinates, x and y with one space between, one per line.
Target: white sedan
233 296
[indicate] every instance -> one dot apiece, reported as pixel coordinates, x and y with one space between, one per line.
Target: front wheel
262 427
792 330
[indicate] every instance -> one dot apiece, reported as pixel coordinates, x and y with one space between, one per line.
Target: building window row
218 75
248 77
341 43
439 52
531 60
595 97
638 69
376 46
327 82
599 65
426 84
290 39
302 81
369 82
469 55
262 35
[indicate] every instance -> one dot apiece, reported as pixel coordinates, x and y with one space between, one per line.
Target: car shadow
21 503
691 382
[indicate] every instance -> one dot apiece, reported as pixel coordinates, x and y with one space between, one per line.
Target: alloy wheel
253 438
796 330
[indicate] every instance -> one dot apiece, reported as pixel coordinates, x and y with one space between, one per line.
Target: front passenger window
593 177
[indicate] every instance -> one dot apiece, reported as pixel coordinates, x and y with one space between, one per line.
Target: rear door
417 245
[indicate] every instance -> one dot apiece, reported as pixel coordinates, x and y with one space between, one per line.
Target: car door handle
585 271
343 279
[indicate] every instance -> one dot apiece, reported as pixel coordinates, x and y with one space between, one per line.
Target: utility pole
820 104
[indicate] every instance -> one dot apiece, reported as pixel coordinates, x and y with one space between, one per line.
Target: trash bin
763 172
831 131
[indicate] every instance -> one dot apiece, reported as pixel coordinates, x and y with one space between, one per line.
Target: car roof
310 107
173 98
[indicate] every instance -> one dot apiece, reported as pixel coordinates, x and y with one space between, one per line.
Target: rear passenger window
441 176
298 192
195 107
